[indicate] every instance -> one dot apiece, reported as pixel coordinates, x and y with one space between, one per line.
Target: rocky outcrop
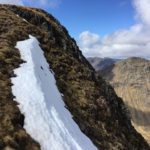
98 111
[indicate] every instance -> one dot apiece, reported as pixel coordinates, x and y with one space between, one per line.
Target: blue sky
103 28
101 17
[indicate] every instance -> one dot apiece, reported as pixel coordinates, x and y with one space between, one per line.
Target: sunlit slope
131 80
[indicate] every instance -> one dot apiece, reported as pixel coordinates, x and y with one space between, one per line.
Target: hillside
28 81
131 80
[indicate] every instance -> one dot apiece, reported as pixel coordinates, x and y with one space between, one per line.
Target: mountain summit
50 96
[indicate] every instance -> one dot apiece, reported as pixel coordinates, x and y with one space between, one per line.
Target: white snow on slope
46 118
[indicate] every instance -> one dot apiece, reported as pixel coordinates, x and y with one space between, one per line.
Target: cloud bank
13 2
34 3
43 3
134 41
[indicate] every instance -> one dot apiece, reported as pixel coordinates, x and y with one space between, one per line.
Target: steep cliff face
131 81
98 111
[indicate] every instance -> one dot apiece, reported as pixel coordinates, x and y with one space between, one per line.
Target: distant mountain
131 80
101 63
51 98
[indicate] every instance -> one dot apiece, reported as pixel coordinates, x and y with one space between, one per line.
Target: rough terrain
131 81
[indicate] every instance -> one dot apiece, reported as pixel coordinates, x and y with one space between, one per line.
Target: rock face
131 80
98 111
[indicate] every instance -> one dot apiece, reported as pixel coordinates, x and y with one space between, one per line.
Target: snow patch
46 118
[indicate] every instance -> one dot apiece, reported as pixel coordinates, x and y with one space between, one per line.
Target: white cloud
42 3
134 41
143 10
33 3
13 2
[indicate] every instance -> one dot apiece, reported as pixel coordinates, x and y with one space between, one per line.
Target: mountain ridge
101 63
